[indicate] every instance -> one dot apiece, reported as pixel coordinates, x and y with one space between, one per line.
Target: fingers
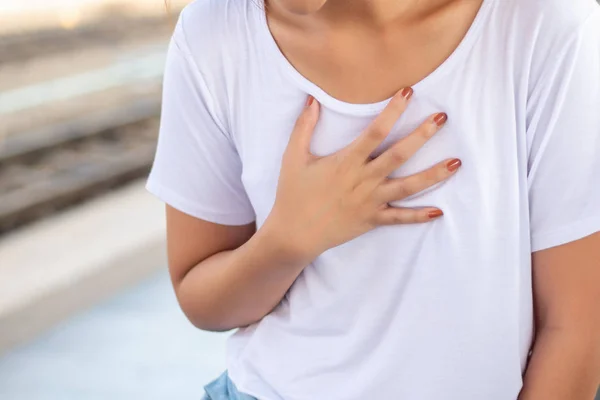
405 148
378 130
301 136
401 188
400 216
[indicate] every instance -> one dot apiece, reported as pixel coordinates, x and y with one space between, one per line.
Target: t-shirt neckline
366 109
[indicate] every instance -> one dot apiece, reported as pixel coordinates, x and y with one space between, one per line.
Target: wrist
280 241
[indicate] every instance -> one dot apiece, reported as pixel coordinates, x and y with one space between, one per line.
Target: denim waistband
223 388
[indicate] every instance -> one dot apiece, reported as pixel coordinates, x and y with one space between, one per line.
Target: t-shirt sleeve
564 143
197 169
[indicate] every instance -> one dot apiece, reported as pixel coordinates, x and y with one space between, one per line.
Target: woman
436 196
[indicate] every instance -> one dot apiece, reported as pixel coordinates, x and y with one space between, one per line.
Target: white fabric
422 312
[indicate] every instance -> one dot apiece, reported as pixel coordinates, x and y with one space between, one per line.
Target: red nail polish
407 93
453 165
440 119
435 214
309 101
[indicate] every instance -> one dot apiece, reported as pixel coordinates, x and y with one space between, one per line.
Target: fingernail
309 101
435 214
453 165
440 119
407 93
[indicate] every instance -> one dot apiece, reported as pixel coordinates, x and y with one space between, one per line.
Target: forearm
565 364
239 287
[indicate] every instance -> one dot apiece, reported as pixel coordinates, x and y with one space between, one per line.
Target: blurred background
86 307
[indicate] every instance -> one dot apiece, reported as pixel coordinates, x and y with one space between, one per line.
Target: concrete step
71 261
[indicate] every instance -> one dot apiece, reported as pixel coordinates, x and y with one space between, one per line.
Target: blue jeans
223 388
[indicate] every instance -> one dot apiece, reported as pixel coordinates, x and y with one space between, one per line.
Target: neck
371 13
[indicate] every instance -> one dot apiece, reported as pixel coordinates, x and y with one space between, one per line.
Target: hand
323 202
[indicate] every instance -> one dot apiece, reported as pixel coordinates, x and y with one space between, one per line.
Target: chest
483 131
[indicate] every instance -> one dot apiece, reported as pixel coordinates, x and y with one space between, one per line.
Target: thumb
302 134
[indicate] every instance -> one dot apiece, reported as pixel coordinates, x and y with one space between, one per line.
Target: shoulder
563 12
545 37
215 31
215 41
552 21
563 66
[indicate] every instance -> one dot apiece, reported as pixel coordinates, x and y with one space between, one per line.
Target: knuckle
371 222
403 190
426 131
377 133
397 217
397 155
378 220
343 163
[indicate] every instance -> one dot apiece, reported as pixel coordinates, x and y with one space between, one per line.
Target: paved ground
135 346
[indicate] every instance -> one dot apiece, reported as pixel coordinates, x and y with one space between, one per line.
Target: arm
566 354
236 277
227 276
224 273
564 138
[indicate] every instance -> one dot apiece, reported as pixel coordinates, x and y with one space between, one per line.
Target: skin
231 276
389 44
237 275
566 354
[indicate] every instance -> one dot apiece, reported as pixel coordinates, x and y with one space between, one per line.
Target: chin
301 7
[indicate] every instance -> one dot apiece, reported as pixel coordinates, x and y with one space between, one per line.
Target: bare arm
238 276
226 277
566 355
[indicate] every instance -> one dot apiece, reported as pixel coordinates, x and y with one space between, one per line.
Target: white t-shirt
441 310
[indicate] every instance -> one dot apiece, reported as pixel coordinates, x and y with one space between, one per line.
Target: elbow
214 315
217 324
209 325
204 315
212 306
